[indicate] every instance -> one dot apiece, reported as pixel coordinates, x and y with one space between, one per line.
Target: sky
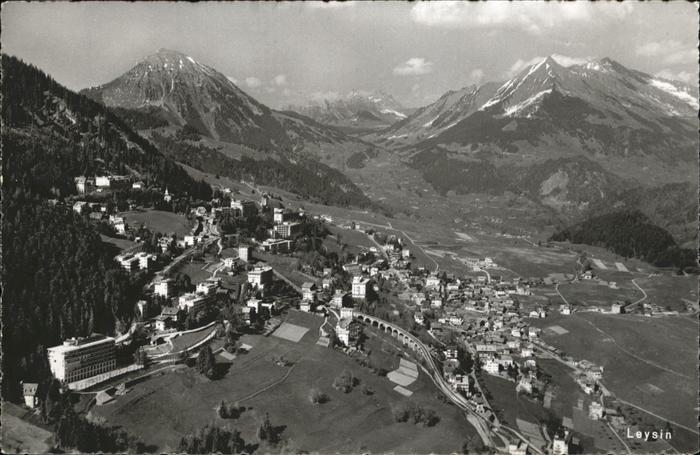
288 53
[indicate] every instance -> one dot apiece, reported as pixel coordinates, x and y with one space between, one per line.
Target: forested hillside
59 278
59 281
51 134
629 234
309 179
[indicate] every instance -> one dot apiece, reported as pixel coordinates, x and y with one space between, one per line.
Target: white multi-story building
260 276
164 288
359 287
491 366
432 281
244 253
560 445
145 260
308 291
102 181
112 181
84 184
347 331
287 230
347 312
129 262
595 411
208 287
193 301
517 448
278 216
305 306
244 208
81 358
275 246
340 299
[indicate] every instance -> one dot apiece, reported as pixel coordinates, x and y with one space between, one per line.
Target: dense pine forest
59 278
59 281
629 234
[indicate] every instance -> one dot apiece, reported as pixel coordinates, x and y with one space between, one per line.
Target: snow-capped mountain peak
357 108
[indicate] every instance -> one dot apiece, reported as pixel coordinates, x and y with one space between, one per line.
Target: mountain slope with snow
357 109
186 92
639 126
190 93
570 138
452 107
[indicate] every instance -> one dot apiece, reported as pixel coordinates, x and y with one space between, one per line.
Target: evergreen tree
206 362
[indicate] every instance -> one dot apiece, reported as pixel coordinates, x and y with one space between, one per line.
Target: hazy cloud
565 60
476 76
232 79
280 80
670 52
532 17
322 96
682 76
253 82
414 66
327 4
521 64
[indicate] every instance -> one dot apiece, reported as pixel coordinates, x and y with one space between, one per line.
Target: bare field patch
290 332
557 329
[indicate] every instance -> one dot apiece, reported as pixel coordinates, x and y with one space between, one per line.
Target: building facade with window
81 358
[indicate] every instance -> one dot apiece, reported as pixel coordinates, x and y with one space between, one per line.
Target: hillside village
375 227
473 325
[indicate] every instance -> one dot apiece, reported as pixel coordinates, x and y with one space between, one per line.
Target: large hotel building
81 358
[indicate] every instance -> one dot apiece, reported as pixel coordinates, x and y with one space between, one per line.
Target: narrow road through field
267 387
618 437
556 288
642 290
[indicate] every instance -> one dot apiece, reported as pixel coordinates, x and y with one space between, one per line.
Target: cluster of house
104 182
347 329
450 369
588 376
95 210
178 307
446 296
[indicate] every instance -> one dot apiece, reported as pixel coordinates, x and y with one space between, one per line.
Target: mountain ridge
356 109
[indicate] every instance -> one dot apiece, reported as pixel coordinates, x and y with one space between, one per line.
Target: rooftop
72 344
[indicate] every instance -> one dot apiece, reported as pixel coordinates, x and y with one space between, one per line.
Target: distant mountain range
357 110
169 95
598 108
570 138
